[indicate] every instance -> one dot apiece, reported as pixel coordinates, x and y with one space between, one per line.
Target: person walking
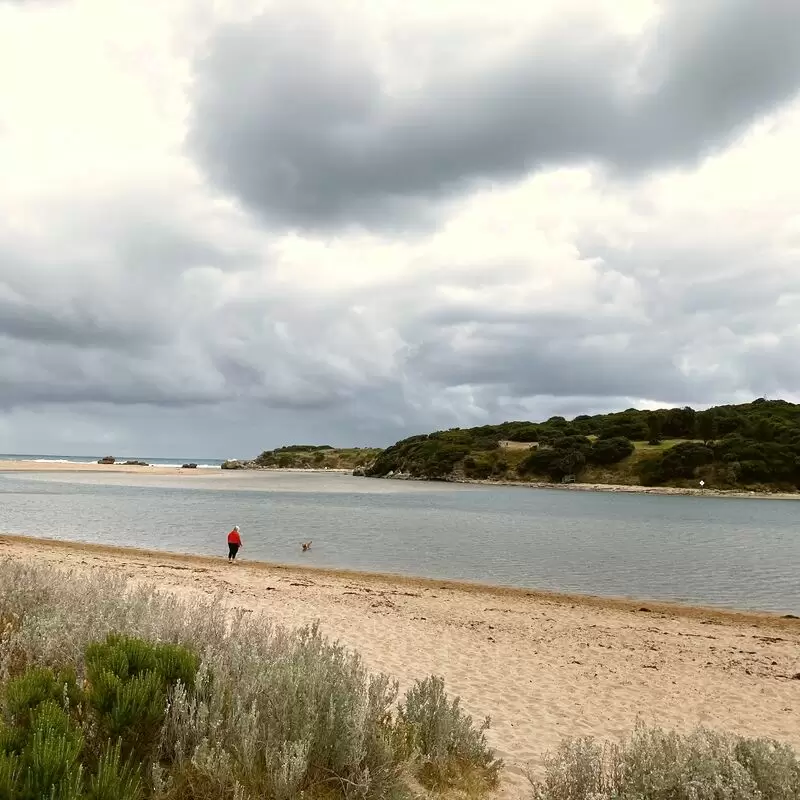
234 543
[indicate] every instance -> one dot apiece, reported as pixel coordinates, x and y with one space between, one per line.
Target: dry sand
543 666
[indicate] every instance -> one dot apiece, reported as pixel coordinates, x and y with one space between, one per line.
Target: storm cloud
294 114
226 228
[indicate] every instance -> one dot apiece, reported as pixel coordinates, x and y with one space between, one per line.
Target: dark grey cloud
292 114
153 315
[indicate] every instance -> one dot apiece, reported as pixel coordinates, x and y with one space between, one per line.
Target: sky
229 225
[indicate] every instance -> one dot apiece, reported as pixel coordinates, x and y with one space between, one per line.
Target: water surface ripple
740 553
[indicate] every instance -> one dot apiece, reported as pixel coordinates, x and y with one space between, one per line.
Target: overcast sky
227 226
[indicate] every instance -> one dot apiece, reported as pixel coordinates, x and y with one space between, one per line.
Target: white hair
236 527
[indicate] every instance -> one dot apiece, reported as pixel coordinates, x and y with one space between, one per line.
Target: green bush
566 456
129 684
25 694
657 765
478 469
39 757
636 428
114 779
680 462
610 451
42 745
450 750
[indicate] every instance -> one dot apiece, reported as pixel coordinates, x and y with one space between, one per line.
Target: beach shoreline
134 469
541 665
716 614
130 469
621 488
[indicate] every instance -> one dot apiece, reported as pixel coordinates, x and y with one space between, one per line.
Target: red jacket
234 538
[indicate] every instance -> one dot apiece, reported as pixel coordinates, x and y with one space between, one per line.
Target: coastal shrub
680 462
253 710
42 745
42 761
635 428
654 764
537 462
566 456
478 469
450 749
610 451
302 712
23 695
114 779
129 684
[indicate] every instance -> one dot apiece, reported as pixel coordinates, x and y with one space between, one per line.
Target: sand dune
542 666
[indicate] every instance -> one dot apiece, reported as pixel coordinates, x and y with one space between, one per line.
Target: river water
740 553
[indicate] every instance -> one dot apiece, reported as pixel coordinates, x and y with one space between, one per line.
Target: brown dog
306 546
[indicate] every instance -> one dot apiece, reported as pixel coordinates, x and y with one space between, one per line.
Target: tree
707 426
654 428
610 451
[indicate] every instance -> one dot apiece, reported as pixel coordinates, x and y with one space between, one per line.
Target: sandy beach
129 469
542 666
638 489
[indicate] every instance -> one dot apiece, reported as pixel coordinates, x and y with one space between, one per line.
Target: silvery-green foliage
436 729
273 712
654 764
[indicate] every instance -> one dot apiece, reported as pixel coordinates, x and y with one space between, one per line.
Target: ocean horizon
50 458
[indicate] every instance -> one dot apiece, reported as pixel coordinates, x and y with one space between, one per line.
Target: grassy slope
513 453
337 458
624 473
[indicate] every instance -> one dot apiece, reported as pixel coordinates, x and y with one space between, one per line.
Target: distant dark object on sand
189 466
107 460
136 464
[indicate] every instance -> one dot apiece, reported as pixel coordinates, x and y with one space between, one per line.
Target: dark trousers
233 549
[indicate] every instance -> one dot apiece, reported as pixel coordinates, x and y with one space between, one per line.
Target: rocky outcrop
107 460
188 466
136 464
233 463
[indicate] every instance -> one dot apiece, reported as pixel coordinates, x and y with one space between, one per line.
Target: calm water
728 552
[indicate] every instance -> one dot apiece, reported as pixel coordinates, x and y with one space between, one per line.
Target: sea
202 463
738 553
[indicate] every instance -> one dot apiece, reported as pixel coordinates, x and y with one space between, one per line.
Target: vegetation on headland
306 456
139 695
749 446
